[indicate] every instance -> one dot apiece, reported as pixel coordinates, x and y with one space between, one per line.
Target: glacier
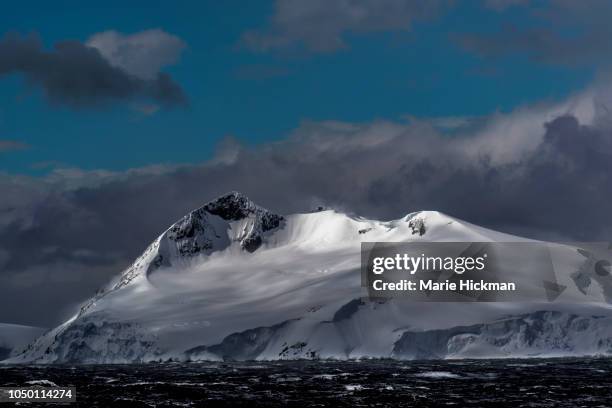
234 281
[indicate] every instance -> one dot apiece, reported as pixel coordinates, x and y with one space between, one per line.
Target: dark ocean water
473 383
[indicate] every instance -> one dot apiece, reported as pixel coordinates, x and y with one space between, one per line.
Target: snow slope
14 336
232 280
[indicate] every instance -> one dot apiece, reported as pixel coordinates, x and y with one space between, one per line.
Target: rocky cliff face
541 333
196 232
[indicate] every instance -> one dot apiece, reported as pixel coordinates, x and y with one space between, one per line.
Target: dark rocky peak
232 206
195 233
235 206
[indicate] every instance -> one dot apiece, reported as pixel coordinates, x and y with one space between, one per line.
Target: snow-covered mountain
232 280
15 336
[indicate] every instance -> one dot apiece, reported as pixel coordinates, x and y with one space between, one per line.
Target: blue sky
260 96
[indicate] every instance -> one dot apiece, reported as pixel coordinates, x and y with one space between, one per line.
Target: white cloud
142 54
507 137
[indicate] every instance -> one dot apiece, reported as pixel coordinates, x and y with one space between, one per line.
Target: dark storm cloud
564 32
321 25
561 190
77 75
64 236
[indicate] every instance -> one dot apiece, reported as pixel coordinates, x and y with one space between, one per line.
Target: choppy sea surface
464 383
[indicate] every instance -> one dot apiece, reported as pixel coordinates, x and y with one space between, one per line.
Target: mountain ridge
234 280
